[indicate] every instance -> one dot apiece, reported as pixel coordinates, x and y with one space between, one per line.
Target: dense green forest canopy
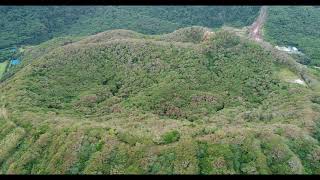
287 26
34 24
295 26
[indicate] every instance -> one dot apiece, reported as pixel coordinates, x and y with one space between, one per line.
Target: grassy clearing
286 75
3 68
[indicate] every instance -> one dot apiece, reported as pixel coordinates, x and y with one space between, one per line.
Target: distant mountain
35 24
285 25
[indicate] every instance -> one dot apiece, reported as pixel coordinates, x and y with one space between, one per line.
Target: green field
3 67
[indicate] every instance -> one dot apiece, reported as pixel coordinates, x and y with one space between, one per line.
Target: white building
289 49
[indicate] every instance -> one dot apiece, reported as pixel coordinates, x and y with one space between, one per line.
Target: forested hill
35 24
121 102
197 100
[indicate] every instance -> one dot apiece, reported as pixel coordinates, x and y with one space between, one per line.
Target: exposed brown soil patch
256 27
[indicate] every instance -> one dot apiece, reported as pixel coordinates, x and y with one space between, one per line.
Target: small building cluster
289 49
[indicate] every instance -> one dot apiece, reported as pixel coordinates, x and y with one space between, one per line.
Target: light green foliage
281 160
9 142
170 137
215 159
3 68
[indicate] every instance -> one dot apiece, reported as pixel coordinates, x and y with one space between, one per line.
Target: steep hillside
188 102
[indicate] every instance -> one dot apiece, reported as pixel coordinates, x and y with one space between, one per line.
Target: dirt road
255 33
256 28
